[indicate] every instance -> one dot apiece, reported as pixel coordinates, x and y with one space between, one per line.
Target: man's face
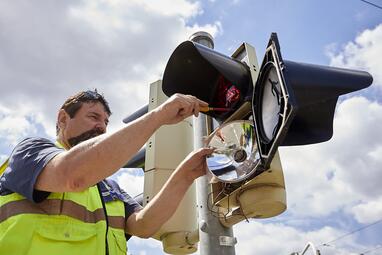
89 121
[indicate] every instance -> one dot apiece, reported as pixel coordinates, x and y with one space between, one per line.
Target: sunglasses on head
91 95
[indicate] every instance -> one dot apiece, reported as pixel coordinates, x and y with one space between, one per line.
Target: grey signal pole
213 236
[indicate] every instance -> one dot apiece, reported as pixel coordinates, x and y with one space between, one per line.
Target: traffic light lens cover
294 103
227 94
271 109
270 104
236 156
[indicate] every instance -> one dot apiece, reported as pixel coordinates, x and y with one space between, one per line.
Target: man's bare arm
92 161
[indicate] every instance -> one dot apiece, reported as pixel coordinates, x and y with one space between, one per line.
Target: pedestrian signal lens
271 100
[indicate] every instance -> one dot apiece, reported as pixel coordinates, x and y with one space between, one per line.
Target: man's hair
74 103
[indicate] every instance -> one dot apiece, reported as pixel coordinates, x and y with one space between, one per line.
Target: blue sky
51 49
305 28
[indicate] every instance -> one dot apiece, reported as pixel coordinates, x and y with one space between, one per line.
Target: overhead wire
374 249
372 4
350 233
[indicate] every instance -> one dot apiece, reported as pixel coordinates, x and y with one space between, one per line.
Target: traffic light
288 103
220 80
292 103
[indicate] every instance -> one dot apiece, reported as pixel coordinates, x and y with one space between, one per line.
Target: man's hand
178 107
194 165
148 221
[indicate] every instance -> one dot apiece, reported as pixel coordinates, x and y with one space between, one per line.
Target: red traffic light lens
227 94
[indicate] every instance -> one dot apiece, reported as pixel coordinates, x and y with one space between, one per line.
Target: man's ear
62 118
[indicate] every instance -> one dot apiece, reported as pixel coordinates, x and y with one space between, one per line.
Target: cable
226 193
377 6
357 253
350 233
217 214
364 252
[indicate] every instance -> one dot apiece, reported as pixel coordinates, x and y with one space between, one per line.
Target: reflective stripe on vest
64 223
59 207
3 167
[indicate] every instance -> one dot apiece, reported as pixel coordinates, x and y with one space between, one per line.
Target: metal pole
213 236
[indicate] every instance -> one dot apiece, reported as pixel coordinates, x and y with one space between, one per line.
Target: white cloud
17 123
363 53
145 246
273 238
359 125
3 158
328 177
343 173
50 51
111 17
130 181
368 212
183 9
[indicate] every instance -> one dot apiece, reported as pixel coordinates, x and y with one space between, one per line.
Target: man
54 198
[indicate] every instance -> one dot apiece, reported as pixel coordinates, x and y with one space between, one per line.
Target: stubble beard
85 136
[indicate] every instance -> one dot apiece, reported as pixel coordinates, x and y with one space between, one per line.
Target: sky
51 49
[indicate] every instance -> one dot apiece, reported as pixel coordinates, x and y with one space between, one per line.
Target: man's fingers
187 105
196 109
199 104
205 151
195 104
191 106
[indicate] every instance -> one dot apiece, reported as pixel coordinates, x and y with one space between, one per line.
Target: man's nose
101 126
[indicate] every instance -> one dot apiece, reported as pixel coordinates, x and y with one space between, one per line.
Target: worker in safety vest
54 198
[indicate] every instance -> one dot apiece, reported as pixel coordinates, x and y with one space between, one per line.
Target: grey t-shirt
27 161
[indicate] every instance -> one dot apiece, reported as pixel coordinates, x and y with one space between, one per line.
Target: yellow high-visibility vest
72 223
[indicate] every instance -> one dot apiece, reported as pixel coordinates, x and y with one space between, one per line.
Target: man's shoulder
34 140
32 150
33 143
25 163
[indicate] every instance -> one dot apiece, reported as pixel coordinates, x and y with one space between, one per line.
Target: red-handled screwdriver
216 109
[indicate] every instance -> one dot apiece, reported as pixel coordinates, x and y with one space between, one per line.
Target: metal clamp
227 241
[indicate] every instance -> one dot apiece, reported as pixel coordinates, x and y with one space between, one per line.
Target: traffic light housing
289 103
220 80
